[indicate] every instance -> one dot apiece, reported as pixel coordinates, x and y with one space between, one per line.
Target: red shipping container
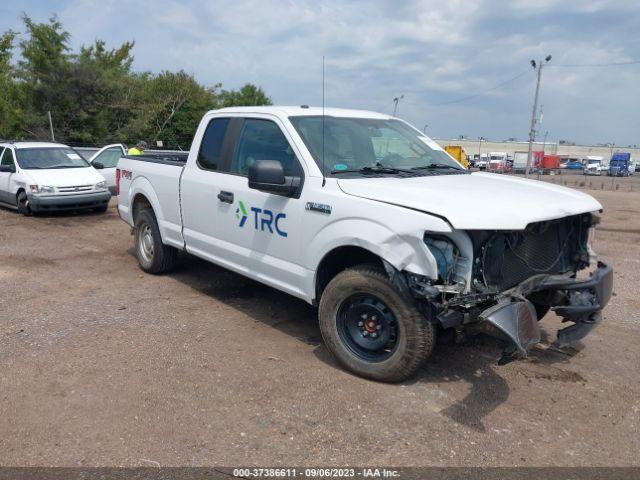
550 162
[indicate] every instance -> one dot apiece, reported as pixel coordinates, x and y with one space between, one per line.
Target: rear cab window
210 155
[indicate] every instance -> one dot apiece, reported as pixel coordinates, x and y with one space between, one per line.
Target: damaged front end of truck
515 277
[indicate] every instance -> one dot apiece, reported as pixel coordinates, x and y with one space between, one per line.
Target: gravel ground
103 365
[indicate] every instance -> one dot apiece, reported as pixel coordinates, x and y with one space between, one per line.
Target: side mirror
7 169
268 176
98 165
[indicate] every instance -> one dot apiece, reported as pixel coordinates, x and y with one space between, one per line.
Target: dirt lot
103 365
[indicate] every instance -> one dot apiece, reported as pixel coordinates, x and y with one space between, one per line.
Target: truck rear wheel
153 256
371 328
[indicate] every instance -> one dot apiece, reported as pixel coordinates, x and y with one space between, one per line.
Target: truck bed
158 179
178 159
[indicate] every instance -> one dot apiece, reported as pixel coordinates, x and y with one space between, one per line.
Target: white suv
43 176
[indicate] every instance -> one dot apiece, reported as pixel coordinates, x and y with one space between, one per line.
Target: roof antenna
324 180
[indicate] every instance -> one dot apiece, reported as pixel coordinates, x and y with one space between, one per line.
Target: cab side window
210 154
263 140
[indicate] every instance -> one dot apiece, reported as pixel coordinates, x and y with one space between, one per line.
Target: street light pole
396 100
532 132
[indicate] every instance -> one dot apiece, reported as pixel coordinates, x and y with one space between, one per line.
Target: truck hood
480 201
64 177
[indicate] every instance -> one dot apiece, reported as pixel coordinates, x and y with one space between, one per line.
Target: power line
613 64
475 95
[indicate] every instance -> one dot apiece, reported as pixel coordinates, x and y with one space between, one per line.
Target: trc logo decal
263 219
241 213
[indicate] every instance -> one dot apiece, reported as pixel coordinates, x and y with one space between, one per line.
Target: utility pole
544 146
395 102
532 132
53 138
480 148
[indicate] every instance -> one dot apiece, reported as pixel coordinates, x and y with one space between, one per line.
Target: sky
461 65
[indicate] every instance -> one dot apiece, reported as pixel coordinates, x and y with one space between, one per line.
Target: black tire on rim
371 328
368 327
23 204
153 256
101 209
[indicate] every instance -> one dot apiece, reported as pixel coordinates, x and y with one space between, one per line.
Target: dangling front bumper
579 301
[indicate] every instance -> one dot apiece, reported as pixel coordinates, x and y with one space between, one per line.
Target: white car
363 215
43 176
106 160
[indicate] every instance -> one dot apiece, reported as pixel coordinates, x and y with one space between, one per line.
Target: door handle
226 197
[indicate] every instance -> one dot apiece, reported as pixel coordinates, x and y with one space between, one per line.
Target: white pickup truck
363 215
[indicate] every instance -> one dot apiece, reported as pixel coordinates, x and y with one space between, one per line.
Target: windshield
358 145
48 158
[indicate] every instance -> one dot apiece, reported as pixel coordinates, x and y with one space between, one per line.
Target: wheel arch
339 259
139 202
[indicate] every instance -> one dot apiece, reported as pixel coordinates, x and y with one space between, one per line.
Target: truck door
259 231
200 186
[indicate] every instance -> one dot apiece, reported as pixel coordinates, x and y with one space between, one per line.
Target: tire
153 256
23 204
405 337
101 209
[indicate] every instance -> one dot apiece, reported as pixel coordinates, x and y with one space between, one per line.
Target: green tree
170 107
45 72
105 91
248 95
94 96
11 113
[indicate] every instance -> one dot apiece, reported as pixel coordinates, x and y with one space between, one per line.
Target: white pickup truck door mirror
268 176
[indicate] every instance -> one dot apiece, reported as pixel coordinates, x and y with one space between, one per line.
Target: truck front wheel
371 328
153 256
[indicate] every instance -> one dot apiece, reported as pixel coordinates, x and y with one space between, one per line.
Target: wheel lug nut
365 333
374 335
360 324
378 327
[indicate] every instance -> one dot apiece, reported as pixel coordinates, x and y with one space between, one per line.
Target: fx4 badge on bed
263 219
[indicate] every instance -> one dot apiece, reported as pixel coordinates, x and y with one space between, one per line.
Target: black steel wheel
368 327
373 329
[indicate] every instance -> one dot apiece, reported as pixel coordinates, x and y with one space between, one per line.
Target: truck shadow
261 303
472 362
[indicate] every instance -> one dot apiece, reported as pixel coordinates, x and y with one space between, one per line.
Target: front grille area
507 258
75 189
